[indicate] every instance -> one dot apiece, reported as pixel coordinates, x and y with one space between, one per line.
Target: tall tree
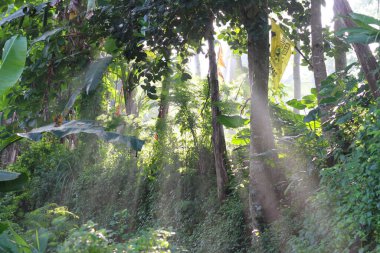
129 89
235 67
317 51
164 102
264 202
197 63
340 56
218 139
297 75
319 66
363 52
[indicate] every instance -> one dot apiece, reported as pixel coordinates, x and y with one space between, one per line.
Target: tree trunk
218 141
164 103
264 204
363 52
340 56
129 98
319 66
128 91
197 63
297 75
236 67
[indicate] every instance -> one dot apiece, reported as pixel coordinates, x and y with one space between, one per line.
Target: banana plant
12 62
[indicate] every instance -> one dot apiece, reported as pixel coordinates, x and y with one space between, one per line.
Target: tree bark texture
218 140
297 75
363 52
340 56
264 202
130 105
128 91
319 66
164 103
317 51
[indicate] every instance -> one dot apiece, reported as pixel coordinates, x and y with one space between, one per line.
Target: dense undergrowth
131 201
118 195
108 199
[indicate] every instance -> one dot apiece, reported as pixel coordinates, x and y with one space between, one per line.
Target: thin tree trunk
319 66
129 98
363 52
128 91
236 67
297 76
340 56
264 204
164 103
218 141
197 63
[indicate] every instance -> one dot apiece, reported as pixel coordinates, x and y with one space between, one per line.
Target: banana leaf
83 126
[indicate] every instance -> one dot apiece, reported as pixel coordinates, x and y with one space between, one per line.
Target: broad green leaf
12 181
360 35
364 19
3 226
232 121
83 126
185 77
110 45
8 176
95 73
42 238
24 247
240 140
309 99
296 104
313 115
25 10
47 35
242 137
152 96
8 141
314 91
328 100
344 119
363 38
13 62
72 100
17 14
89 82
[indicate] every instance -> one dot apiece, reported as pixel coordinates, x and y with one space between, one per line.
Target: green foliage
12 181
57 220
344 213
119 225
171 182
150 241
358 203
222 230
364 33
95 73
232 121
12 62
86 239
12 242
